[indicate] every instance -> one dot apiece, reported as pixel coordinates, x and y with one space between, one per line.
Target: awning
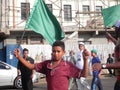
3 36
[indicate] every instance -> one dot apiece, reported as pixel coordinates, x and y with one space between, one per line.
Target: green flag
42 21
111 15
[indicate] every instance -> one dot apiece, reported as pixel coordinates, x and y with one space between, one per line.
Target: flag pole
21 38
24 29
105 29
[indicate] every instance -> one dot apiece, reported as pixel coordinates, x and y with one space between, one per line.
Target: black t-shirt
25 72
110 60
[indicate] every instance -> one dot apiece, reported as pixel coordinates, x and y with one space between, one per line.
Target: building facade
81 20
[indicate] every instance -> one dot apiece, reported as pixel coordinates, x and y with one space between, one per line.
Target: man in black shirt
110 60
26 74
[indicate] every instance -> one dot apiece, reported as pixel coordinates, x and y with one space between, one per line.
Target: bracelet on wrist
103 66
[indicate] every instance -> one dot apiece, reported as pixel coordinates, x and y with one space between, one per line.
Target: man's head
71 53
58 50
25 52
93 52
81 46
60 44
109 55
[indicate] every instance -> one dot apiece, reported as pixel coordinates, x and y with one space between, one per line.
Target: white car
8 76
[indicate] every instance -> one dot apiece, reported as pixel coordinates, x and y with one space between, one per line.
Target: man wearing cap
96 82
115 65
82 62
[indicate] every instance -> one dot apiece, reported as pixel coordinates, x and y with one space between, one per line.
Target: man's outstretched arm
98 66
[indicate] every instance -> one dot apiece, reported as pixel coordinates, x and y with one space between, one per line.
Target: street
108 84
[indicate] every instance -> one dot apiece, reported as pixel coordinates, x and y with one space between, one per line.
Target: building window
25 10
86 9
36 40
50 7
98 8
23 41
67 13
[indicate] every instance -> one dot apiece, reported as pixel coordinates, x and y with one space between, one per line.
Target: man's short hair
25 49
59 43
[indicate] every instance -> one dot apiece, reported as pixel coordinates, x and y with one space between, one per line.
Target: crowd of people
62 75
57 70
79 61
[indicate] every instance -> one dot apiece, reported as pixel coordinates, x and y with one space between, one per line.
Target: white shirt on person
80 61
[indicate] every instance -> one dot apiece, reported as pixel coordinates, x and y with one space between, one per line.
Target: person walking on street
26 73
57 70
81 62
110 60
96 82
72 81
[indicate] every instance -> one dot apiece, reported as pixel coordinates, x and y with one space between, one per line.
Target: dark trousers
110 71
27 83
117 85
96 82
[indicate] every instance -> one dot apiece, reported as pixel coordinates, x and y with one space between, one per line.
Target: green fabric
42 21
111 15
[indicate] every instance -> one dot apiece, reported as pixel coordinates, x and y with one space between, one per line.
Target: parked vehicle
9 77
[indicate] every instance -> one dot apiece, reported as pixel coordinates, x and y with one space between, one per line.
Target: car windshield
3 66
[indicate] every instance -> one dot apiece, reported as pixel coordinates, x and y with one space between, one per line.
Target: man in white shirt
82 62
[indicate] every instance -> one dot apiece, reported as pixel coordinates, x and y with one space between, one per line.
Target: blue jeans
96 82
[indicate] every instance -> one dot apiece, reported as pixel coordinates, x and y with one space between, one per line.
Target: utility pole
13 14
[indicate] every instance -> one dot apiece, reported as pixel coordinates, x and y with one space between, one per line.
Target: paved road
108 84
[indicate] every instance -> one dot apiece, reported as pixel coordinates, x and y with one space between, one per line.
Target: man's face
81 47
93 54
57 53
25 53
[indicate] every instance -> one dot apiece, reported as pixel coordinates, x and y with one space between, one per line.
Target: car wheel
17 82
